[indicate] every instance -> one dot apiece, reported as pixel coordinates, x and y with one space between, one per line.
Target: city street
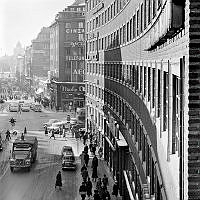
40 181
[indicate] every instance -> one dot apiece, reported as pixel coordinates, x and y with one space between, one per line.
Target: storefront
68 95
116 150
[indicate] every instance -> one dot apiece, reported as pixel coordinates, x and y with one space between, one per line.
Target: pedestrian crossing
51 146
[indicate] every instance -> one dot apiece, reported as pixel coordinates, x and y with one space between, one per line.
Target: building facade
40 61
142 96
67 52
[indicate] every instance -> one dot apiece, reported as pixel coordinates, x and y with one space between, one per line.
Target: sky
22 20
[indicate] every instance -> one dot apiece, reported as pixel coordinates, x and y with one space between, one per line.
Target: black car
2 101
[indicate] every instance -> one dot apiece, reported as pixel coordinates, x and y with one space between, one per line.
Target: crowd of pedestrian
99 185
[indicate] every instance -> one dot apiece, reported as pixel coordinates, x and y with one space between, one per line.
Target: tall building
40 63
142 94
67 59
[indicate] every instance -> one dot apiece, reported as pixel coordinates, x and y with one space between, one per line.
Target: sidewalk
101 170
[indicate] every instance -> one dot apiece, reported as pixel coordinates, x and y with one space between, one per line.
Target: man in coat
58 180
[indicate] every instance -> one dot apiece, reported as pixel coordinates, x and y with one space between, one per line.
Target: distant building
67 54
40 62
18 50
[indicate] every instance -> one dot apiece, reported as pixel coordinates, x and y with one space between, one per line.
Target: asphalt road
38 184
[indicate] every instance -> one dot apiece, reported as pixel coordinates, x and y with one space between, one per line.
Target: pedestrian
8 137
25 131
60 131
46 131
106 195
82 158
53 134
100 152
89 188
86 148
94 168
84 174
86 159
115 189
93 149
83 167
105 181
98 185
90 147
96 195
84 138
83 190
58 180
95 161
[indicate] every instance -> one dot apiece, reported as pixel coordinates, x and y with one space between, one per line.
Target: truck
24 152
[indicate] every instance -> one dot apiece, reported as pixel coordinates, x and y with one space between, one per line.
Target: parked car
2 101
14 107
25 107
54 127
68 158
50 122
32 105
37 108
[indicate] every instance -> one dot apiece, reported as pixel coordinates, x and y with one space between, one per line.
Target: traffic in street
39 182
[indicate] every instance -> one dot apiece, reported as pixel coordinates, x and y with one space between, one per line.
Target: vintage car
68 158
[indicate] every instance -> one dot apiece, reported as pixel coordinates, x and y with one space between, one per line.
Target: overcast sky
21 20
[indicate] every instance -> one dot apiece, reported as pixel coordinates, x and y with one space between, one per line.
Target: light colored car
25 107
54 127
73 121
50 122
14 107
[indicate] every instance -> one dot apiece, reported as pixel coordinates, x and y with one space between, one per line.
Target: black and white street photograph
99 99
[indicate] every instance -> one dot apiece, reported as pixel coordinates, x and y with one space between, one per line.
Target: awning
128 186
110 144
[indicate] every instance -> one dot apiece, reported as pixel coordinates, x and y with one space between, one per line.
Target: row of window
143 80
74 51
74 25
127 32
95 91
144 14
107 15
